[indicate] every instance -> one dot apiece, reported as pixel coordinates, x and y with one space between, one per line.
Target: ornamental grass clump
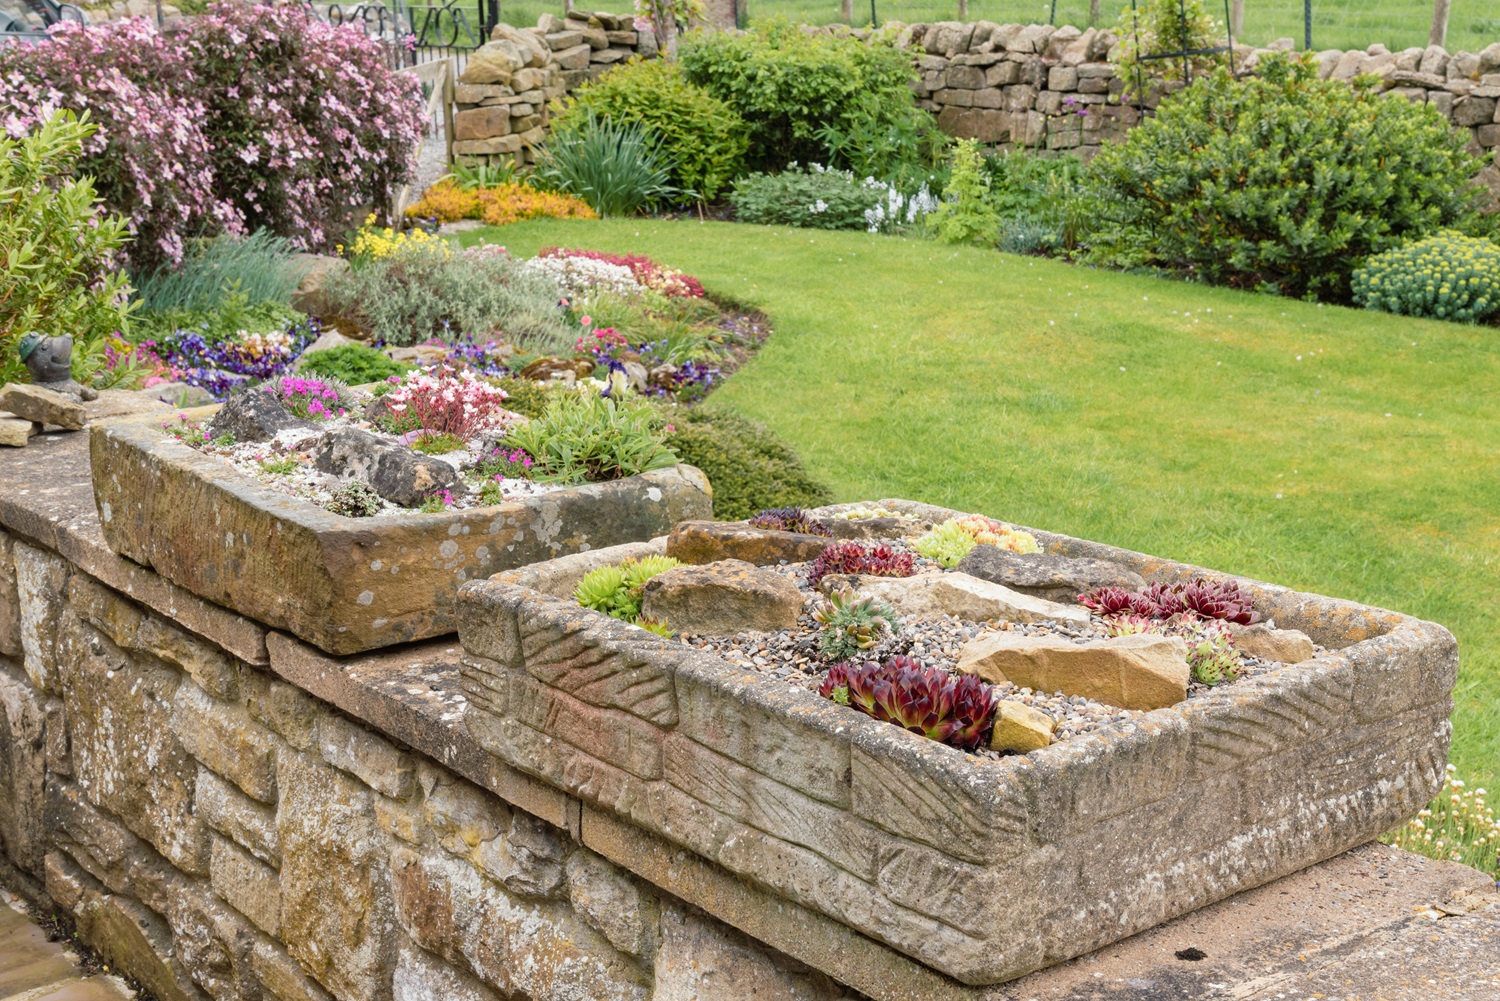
853 625
1444 277
858 558
790 519
959 712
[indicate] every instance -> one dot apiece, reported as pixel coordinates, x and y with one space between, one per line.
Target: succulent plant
656 626
601 589
857 558
1206 599
790 519
950 541
618 590
1210 651
1218 599
853 625
356 500
1113 601
956 711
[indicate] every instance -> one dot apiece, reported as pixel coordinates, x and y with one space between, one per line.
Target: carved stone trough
346 585
980 870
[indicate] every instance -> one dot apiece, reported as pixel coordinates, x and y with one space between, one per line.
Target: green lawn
1349 453
1337 24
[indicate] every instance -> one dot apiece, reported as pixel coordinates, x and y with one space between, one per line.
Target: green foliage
478 176
787 85
617 590
904 147
966 214
749 467
1283 182
424 289
1041 201
680 328
527 398
280 467
230 319
852 626
1459 825
946 544
356 500
702 136
1159 26
56 248
813 198
257 269
619 168
355 364
586 437
1446 277
437 444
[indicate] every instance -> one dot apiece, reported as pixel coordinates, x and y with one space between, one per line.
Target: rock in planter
179 394
254 415
720 599
875 528
44 406
1264 640
552 369
700 542
1056 578
309 296
397 473
327 341
1133 672
933 595
1020 728
16 431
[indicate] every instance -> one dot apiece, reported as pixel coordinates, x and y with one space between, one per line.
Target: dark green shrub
1282 182
1446 277
787 85
749 467
618 167
353 364
701 134
815 198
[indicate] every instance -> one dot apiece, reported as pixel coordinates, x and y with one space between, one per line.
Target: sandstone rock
247 885
1471 111
559 41
1055 578
1264 640
368 757
934 595
179 394
1434 60
420 977
700 542
252 414
23 722
550 24
555 369
575 57
316 269
529 45
1132 672
607 897
44 406
327 341
1020 728
493 62
723 598
1489 60
876 528
702 959
397 473
17 431
482 123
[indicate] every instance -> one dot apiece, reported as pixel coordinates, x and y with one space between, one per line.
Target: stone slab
347 584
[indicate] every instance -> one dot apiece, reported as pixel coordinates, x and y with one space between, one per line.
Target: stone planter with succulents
351 520
975 748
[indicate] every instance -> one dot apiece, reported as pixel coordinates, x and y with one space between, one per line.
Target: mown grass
1332 450
1337 24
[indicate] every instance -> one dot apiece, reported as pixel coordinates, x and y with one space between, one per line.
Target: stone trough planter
346 585
978 869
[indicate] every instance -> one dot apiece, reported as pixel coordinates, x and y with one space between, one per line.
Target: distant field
1337 24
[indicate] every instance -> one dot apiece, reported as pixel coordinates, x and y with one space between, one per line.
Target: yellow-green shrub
1446 277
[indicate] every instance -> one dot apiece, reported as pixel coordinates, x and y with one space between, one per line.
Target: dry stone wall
216 831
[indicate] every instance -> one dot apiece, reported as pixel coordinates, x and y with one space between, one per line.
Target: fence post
846 11
1307 24
963 10
1094 14
1439 34
1236 17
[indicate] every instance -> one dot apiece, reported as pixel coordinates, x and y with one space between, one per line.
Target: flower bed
981 867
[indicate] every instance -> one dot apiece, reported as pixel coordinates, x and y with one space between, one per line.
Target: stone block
249 824
10 600
722 598
284 709
419 977
41 579
574 58
493 63
1133 672
626 39
127 936
488 147
1062 78
23 773
43 406
469 93
1020 728
935 595
1487 136
619 738
336 905
609 57
608 898
482 123
1471 111
992 98
17 432
559 41
955 98
700 958
281 976
367 756
248 886
982 124
227 741
964 77
1002 74
699 542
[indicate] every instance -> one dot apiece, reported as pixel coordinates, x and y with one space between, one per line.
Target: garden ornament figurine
50 362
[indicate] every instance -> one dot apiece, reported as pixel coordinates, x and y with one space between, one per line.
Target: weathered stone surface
559 577
722 598
419 977
249 824
23 722
934 595
700 542
253 415
17 432
40 585
335 883
1020 728
482 123
1055 578
248 886
316 269
493 62
1288 646
367 756
179 394
44 406
1132 672
399 474
700 958
327 341
281 975
226 740
10 600
607 898
348 584
876 528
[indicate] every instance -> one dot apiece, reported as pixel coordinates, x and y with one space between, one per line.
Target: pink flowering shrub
446 401
246 117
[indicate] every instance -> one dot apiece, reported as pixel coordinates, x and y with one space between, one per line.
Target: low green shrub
230 319
1282 182
353 364
527 398
787 85
424 289
584 437
700 134
618 167
876 139
57 275
966 214
813 198
1446 277
750 468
